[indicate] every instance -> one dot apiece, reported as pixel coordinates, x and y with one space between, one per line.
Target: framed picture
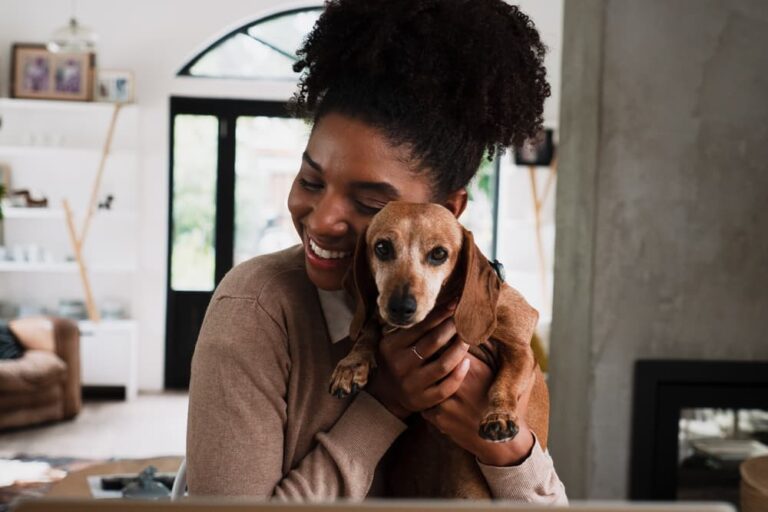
114 85
538 150
38 73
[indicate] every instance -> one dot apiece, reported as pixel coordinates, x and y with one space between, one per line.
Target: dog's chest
423 463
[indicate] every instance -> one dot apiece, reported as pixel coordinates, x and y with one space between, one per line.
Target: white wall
154 38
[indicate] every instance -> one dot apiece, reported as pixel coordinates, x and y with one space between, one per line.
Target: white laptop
240 505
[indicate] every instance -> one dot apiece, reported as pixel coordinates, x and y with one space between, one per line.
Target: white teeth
329 255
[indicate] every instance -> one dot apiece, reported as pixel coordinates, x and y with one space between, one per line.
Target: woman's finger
445 364
447 387
435 340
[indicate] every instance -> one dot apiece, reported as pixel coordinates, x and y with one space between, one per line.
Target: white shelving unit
53 149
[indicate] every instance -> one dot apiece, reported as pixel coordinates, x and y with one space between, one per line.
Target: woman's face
348 172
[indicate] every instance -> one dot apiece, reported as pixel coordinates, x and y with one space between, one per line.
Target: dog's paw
349 377
498 427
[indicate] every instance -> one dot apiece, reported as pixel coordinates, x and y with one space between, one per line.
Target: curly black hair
450 80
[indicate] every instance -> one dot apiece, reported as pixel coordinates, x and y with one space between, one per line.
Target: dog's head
414 256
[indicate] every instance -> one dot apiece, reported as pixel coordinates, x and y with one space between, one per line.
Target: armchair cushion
37 369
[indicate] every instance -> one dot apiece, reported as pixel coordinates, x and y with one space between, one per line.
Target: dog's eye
383 250
438 255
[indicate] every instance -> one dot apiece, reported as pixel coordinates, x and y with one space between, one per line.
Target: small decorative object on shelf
22 198
39 73
107 203
72 308
114 85
112 310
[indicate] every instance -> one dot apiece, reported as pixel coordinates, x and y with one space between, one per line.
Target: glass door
232 164
267 157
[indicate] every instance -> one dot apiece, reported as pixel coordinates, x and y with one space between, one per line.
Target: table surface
75 484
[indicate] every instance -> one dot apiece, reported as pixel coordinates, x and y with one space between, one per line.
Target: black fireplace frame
661 389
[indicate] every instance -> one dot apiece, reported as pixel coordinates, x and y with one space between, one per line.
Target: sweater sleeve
532 481
238 412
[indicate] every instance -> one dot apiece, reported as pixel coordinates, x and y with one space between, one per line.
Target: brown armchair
44 384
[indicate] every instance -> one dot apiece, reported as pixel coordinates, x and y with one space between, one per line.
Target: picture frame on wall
114 85
38 73
537 151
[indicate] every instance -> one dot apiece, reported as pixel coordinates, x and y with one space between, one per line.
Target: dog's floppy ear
360 284
479 287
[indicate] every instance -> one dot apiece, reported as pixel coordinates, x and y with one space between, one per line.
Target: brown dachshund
411 259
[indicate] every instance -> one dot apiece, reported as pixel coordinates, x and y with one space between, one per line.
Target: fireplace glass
711 445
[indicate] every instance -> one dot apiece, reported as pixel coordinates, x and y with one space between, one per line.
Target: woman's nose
328 217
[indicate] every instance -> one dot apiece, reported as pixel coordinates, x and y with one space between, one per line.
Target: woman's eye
367 210
383 250
310 185
438 255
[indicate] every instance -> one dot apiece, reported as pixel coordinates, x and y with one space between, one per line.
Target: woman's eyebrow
380 187
312 163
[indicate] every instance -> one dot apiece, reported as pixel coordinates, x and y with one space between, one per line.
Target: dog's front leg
516 369
351 373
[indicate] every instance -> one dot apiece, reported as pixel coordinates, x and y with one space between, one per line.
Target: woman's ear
456 202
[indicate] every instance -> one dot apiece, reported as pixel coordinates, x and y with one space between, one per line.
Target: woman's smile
325 259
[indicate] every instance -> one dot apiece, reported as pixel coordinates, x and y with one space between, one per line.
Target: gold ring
413 349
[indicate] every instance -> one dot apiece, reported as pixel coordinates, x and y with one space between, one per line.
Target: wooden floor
152 425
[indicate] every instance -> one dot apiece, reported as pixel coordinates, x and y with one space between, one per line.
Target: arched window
264 49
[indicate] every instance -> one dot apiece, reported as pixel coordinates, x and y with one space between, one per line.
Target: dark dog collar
499 269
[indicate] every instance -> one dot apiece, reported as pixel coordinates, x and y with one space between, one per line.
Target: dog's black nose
402 307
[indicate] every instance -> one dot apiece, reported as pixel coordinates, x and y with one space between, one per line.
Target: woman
406 96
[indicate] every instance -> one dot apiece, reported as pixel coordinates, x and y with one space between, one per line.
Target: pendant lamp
73 37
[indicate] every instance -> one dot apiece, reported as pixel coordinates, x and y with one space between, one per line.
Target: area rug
33 475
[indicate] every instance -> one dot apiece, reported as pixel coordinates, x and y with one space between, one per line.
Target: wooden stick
550 181
97 183
90 305
539 242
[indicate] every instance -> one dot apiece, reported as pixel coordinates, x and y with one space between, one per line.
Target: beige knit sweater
261 421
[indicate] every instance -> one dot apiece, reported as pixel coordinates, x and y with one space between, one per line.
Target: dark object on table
118 482
107 203
538 150
146 487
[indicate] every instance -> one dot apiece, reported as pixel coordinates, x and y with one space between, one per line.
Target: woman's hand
406 380
459 418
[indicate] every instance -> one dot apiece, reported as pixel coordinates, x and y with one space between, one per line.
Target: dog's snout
402 305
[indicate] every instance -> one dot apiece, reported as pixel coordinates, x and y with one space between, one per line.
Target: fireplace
693 423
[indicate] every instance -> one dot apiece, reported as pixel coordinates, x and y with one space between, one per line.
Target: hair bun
476 65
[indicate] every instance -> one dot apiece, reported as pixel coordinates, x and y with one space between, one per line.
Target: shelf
84 106
57 151
121 325
58 213
59 268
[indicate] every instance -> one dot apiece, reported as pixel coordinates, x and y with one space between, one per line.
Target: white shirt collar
338 313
